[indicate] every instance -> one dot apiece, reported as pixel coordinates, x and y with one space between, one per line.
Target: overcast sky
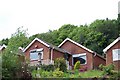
39 16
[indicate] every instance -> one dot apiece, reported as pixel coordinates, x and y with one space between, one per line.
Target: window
116 54
34 54
80 57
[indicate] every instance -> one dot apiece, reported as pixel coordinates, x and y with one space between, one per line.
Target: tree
64 31
95 36
95 41
18 39
118 23
102 33
79 34
11 63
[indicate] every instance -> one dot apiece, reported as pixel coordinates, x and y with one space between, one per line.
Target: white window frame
78 55
36 51
116 54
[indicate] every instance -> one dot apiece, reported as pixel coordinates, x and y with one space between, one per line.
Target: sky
39 16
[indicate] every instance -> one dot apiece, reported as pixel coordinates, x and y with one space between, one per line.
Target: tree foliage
11 64
18 39
95 36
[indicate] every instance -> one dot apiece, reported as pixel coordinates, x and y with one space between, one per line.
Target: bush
58 73
77 65
48 67
32 68
46 74
61 64
101 66
107 69
116 75
41 73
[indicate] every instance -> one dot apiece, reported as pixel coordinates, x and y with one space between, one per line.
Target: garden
59 70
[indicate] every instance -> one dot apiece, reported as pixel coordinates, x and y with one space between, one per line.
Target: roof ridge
76 44
111 44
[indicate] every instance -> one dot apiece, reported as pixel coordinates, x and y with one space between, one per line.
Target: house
2 47
39 51
112 52
88 58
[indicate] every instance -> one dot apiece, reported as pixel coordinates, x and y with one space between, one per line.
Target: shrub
61 64
77 65
46 74
34 72
116 75
107 69
101 66
58 73
32 68
48 67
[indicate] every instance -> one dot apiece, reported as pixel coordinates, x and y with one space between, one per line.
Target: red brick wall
109 58
57 54
74 49
46 51
117 65
98 60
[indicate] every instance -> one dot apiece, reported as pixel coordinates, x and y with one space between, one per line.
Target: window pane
82 59
34 56
116 54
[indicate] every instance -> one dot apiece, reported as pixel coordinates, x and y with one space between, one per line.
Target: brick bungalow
48 52
88 58
112 52
2 47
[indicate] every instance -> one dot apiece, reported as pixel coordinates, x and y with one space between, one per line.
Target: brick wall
46 51
74 49
109 58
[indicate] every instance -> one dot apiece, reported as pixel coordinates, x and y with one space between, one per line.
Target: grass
76 74
91 74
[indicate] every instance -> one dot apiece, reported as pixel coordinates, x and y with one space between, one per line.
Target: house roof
68 39
3 46
47 45
34 41
113 43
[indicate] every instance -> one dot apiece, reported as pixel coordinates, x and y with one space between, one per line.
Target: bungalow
39 51
112 52
3 47
88 58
